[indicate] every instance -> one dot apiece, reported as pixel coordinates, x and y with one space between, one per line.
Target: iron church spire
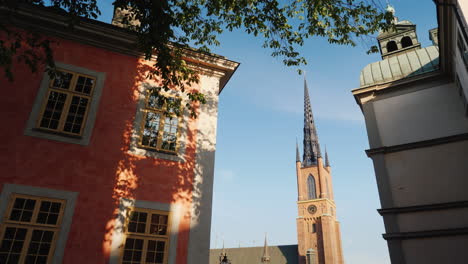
311 144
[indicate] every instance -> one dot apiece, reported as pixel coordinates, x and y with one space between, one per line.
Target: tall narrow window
311 187
159 128
67 102
391 46
30 229
147 237
406 42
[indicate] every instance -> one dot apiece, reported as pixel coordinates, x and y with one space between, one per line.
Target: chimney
124 18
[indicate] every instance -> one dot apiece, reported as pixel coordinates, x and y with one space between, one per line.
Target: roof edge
55 22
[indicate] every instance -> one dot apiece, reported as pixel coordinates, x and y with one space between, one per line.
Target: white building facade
415 106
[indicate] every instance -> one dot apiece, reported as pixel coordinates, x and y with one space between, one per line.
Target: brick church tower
318 231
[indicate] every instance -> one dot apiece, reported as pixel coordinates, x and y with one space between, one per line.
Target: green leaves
167 28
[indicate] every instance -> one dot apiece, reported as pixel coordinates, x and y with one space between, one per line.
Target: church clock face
312 209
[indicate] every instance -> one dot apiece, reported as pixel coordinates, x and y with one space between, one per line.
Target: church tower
401 39
318 231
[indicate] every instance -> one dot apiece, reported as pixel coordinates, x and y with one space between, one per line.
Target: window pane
151 130
39 247
133 250
170 134
53 110
84 85
137 222
155 251
62 80
158 224
48 213
11 245
154 101
76 114
173 105
22 210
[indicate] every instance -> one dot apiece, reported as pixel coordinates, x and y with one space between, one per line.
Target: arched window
311 187
328 188
391 46
406 42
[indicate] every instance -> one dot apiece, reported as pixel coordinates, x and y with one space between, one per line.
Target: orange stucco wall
102 171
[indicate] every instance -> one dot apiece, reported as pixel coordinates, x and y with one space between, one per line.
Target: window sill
153 153
56 136
58 133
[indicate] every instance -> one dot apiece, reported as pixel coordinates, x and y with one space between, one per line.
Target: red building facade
94 173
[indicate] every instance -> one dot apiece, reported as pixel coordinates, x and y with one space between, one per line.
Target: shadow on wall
160 180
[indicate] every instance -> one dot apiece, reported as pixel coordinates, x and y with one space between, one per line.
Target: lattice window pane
48 213
84 85
154 101
155 251
39 247
76 114
137 222
53 110
169 138
133 251
62 80
12 244
173 105
22 210
158 224
151 130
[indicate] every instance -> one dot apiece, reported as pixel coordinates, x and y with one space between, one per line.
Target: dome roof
404 22
402 66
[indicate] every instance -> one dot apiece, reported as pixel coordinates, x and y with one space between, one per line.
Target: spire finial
298 156
311 144
391 9
223 255
266 254
327 162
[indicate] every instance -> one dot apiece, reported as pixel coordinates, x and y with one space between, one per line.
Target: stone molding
424 207
425 234
418 144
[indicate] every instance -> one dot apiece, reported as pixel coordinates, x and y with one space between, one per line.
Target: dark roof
286 254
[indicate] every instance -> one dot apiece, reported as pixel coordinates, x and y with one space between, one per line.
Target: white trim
202 194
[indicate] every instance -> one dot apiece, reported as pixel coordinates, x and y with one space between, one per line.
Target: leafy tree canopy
167 27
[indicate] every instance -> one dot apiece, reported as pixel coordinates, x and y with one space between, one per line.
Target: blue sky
260 117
